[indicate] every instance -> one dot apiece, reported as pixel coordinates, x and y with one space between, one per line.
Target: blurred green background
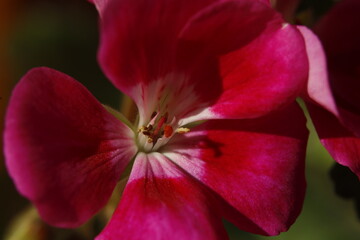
64 35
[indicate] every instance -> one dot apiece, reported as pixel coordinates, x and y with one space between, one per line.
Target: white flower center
164 104
158 131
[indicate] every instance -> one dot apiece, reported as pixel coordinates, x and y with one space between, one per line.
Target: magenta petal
266 1
64 151
220 27
318 87
342 144
138 39
259 71
351 120
338 32
257 166
236 78
338 127
160 202
265 75
237 54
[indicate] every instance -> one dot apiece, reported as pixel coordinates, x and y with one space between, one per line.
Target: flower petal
138 39
160 201
266 1
257 166
339 127
262 76
192 47
350 120
209 36
340 38
215 30
318 86
260 72
342 144
64 151
219 28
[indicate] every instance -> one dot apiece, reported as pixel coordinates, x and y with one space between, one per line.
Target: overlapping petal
257 70
245 65
101 4
160 201
343 146
340 38
339 126
262 76
219 28
318 88
64 151
256 166
139 39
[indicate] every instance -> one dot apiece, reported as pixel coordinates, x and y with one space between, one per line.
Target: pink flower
232 63
334 98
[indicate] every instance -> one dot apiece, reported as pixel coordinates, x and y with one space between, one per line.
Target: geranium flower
334 102
233 64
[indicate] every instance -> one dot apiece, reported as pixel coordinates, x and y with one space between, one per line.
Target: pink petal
256 166
138 39
160 201
343 146
262 66
266 1
338 32
64 151
318 86
351 120
139 45
339 126
262 76
219 28
215 33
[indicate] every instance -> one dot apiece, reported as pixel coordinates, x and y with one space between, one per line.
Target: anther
153 115
182 130
161 122
168 130
141 129
146 133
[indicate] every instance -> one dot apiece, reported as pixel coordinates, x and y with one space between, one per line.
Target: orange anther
168 130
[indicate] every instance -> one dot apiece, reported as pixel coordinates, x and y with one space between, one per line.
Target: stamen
153 115
160 127
161 122
141 129
146 133
182 130
168 131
